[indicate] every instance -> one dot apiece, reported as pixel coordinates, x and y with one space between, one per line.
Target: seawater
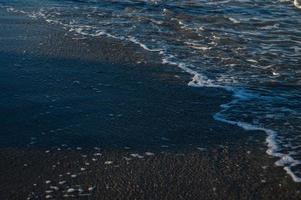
251 48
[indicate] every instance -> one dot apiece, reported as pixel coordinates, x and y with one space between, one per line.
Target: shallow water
251 48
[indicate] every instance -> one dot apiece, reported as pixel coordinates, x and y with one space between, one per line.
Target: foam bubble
235 21
297 4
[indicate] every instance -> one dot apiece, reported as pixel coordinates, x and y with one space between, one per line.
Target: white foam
297 4
149 154
62 182
134 40
136 155
285 160
71 190
73 176
109 162
53 187
235 21
91 188
198 79
197 46
291 173
239 94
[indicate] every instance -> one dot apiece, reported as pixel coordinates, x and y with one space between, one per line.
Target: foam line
134 40
285 160
198 80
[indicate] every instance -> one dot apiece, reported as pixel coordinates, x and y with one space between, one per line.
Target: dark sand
59 92
213 174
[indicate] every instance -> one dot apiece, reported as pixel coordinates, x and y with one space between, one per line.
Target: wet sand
63 95
98 174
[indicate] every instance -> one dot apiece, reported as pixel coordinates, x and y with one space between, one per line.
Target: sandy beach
91 118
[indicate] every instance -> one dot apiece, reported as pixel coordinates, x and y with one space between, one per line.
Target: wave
198 80
285 160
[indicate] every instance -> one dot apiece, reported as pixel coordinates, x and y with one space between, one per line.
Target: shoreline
159 92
